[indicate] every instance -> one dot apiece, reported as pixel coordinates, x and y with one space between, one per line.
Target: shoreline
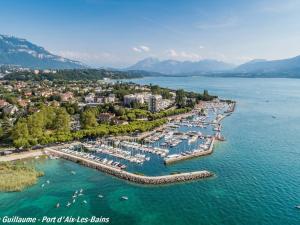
23 155
130 176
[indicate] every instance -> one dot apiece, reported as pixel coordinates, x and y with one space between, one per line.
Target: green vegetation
188 99
88 118
15 176
48 122
164 92
170 112
104 129
74 74
51 124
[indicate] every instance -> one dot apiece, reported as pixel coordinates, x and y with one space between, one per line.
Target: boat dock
135 178
116 152
192 155
144 148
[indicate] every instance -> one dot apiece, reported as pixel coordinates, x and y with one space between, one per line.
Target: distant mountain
178 67
289 65
18 51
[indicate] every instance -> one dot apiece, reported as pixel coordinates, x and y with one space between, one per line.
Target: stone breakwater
193 155
135 178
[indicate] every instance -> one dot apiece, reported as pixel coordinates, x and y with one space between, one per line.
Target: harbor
135 178
146 160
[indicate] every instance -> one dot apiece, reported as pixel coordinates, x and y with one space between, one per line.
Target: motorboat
124 198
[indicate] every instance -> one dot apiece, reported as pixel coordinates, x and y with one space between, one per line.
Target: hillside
179 67
18 51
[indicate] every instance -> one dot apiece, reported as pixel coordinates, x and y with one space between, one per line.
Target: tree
20 134
35 125
88 119
1 131
6 127
180 98
131 116
120 111
62 120
21 142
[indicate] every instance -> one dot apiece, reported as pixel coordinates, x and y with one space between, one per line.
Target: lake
257 168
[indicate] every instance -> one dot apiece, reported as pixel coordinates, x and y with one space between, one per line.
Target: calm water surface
257 169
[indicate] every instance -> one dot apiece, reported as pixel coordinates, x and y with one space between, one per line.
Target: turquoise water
257 169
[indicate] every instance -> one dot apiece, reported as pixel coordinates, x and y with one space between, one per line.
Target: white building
133 98
154 104
90 98
111 98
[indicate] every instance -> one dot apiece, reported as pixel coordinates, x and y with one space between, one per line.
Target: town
109 124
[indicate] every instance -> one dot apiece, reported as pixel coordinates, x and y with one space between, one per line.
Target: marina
135 178
182 138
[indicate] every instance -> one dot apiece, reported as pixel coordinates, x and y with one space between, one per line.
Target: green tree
62 120
20 134
180 98
88 119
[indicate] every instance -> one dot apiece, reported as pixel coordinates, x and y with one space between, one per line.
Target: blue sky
119 32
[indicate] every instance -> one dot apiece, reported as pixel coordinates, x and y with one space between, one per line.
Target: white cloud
201 46
141 48
136 49
145 48
183 55
172 53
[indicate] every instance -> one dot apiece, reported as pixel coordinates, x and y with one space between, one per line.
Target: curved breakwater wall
153 180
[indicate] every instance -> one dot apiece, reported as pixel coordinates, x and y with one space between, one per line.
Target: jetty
192 155
132 177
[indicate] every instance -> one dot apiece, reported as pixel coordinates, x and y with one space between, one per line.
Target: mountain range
179 67
271 66
20 52
256 68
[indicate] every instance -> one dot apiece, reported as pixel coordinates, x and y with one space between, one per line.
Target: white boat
100 196
173 156
124 198
69 203
192 139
